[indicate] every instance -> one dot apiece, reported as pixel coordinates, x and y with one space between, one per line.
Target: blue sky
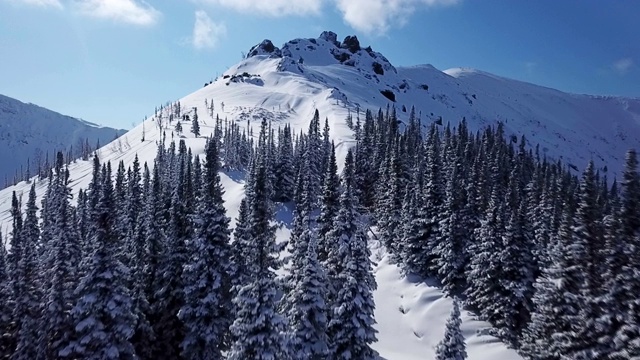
112 61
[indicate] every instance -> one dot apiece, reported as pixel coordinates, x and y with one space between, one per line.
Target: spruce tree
485 268
350 329
554 325
28 304
206 312
450 249
103 316
284 170
329 206
195 125
452 347
143 337
307 314
61 256
240 247
169 295
415 230
258 330
5 304
587 240
628 335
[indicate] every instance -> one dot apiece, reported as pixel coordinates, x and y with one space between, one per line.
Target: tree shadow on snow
238 176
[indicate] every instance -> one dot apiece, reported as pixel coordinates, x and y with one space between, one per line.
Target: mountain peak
266 47
326 49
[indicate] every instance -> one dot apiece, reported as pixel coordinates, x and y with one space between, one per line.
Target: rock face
266 47
331 37
351 43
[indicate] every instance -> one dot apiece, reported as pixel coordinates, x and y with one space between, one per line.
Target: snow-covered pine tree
154 225
329 205
315 150
366 169
259 332
103 317
5 304
452 346
614 283
206 276
432 199
350 328
307 311
121 225
16 281
15 244
28 300
483 288
550 332
169 296
586 245
389 204
239 248
414 254
284 171
450 247
143 336
195 125
516 273
628 334
61 256
325 151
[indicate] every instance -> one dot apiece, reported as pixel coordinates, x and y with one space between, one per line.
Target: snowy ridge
26 129
287 84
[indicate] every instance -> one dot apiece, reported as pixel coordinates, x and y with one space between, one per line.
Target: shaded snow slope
287 84
26 129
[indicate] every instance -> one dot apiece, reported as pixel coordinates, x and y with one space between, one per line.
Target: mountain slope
287 84
29 132
574 128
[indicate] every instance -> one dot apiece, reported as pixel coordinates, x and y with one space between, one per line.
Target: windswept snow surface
27 129
287 85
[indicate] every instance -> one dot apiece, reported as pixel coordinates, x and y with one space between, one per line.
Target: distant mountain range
28 133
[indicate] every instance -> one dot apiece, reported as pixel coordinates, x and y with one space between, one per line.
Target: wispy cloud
623 65
206 32
378 16
39 3
369 16
125 11
530 66
271 7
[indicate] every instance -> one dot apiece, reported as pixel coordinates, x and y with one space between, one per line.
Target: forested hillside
146 263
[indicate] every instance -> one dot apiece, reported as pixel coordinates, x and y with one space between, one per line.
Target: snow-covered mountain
335 76
287 84
28 132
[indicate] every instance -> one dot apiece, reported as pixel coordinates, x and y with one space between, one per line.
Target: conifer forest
143 263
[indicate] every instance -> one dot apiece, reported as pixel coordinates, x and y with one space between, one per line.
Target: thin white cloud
623 66
39 3
530 66
378 16
206 32
275 8
369 16
127 11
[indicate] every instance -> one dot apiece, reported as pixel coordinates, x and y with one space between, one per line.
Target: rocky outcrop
266 47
